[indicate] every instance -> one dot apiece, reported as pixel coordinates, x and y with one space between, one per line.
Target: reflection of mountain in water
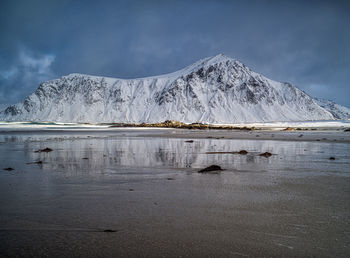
100 155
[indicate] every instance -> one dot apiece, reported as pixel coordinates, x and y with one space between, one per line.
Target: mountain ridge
338 111
216 89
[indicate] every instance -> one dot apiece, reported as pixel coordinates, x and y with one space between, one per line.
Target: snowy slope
338 111
3 107
213 90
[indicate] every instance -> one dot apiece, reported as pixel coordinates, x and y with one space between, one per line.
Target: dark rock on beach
109 231
210 169
39 162
45 150
265 154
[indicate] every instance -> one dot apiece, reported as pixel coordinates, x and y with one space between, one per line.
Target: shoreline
329 136
324 125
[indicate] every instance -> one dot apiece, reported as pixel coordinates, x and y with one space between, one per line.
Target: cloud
8 74
34 68
39 65
302 42
26 70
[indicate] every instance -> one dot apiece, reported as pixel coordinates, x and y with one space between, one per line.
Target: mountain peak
74 75
217 60
220 58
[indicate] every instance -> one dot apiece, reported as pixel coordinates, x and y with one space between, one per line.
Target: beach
136 192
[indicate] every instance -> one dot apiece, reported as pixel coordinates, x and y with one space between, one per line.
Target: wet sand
144 186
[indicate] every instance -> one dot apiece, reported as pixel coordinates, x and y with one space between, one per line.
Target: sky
306 43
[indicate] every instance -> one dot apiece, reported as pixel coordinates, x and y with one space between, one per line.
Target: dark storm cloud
303 42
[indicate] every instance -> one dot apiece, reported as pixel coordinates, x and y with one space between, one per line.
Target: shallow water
107 155
294 203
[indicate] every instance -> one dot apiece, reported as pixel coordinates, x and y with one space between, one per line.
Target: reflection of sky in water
91 155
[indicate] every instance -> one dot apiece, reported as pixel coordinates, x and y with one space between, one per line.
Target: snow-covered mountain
338 111
213 90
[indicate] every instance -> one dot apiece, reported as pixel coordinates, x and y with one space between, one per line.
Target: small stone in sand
36 162
9 169
44 150
210 169
265 154
109 231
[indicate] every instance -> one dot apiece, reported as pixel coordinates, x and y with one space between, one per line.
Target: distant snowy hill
213 90
338 111
3 107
